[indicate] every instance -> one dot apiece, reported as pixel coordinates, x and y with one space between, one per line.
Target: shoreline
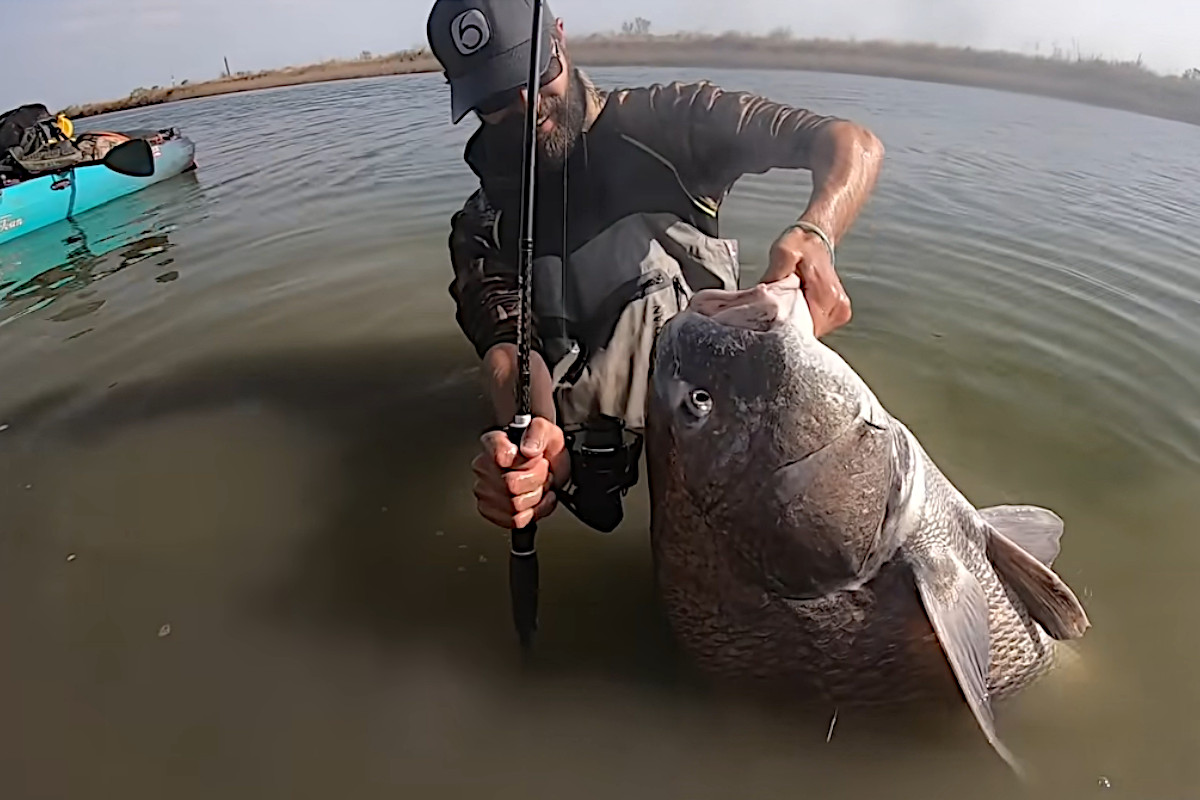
1124 86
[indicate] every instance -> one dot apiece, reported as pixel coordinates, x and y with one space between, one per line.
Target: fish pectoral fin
957 608
1036 530
1049 600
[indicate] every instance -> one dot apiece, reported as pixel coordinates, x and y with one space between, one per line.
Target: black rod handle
522 563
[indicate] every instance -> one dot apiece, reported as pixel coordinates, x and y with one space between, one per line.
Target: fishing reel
604 467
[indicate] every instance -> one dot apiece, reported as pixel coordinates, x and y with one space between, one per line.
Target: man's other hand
513 489
805 254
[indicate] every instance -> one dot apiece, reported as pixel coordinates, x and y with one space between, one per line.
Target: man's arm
511 489
484 290
845 159
743 133
845 164
714 137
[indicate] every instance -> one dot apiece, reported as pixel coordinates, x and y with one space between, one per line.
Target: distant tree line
637 27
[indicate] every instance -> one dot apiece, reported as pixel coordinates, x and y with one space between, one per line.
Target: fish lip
765 308
777 327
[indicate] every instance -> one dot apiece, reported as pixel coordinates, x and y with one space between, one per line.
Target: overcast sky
67 51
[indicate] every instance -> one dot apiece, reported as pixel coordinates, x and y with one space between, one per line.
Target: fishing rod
523 564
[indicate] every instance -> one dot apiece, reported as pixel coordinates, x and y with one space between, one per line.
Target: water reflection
64 260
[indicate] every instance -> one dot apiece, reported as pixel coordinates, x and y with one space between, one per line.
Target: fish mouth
763 308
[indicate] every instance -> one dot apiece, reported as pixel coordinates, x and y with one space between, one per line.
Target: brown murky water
238 551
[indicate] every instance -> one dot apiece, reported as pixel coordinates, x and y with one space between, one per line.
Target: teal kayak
43 201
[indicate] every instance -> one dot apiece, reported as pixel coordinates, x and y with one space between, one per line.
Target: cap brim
500 73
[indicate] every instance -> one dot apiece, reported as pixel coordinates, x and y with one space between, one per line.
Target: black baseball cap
484 47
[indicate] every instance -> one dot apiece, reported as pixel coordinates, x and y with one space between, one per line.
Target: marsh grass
1126 85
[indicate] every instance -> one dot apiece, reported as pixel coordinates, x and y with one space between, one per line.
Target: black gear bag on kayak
32 144
16 125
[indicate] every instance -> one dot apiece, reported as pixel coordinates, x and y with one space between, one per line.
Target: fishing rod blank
523 565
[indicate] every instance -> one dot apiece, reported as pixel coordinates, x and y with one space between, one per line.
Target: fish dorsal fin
1035 530
957 607
1049 600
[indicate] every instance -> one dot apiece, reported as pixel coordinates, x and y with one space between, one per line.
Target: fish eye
699 402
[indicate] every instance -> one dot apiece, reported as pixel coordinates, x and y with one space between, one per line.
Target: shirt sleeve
484 287
713 136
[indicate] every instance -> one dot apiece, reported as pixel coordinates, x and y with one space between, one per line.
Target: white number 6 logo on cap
470 31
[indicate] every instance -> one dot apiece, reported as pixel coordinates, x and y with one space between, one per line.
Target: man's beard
569 113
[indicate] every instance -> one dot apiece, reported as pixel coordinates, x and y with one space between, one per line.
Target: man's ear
558 29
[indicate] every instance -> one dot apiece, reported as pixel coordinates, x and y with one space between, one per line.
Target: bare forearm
846 161
500 383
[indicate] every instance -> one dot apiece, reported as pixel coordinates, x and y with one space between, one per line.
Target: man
629 187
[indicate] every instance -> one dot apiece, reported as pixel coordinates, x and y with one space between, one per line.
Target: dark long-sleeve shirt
711 137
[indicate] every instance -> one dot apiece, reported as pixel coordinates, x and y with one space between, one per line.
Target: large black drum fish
801 534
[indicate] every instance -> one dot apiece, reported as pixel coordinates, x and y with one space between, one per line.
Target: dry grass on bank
394 64
1123 85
